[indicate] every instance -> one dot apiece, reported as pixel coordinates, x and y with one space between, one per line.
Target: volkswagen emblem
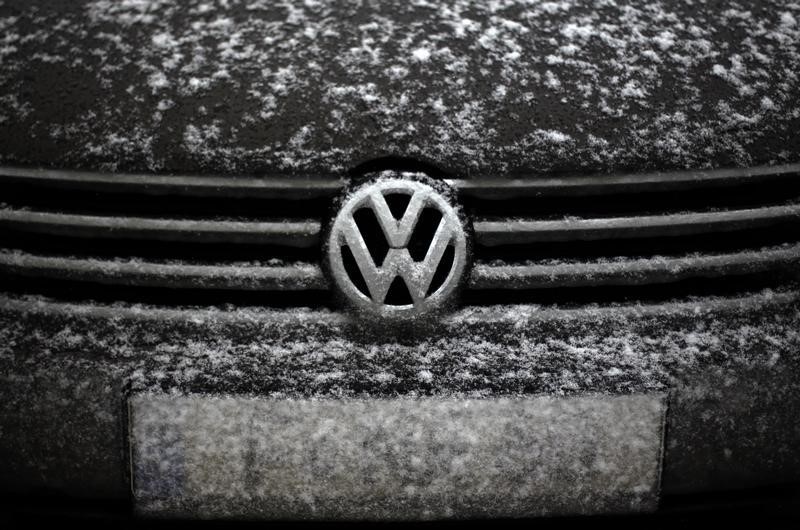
397 247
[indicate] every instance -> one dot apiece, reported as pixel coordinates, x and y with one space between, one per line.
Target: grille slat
310 277
265 187
632 272
512 231
598 185
246 277
290 233
306 187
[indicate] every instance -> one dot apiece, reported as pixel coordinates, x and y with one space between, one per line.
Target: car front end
346 262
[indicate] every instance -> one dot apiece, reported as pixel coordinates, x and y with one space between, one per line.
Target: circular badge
397 248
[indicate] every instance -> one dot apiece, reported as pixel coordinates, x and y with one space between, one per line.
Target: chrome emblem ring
397 248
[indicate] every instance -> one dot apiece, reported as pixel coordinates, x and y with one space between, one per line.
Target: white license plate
428 458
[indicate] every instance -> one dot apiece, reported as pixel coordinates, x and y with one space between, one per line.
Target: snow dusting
67 369
510 86
479 351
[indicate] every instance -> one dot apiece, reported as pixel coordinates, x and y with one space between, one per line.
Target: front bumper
727 365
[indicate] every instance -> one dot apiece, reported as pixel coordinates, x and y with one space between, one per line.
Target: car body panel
471 88
728 365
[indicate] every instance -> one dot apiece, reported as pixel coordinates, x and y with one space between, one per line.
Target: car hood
473 88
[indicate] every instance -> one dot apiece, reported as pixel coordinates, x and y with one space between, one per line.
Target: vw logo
397 247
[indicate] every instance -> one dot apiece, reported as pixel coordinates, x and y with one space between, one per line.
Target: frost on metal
504 86
418 274
205 456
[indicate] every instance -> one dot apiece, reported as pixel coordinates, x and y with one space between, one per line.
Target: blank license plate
428 458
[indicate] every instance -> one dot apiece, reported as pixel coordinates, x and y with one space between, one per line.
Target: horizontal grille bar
292 277
308 187
305 276
290 233
509 232
632 272
284 187
606 184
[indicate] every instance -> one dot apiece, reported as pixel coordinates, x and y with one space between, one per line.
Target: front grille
231 235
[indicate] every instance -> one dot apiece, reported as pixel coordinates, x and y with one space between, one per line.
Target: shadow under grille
173 237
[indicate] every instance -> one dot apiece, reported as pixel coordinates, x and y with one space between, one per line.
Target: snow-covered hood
474 87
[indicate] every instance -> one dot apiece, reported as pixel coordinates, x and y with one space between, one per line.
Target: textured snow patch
554 136
503 350
202 455
421 54
256 73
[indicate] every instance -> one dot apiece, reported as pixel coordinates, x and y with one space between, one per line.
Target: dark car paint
469 88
